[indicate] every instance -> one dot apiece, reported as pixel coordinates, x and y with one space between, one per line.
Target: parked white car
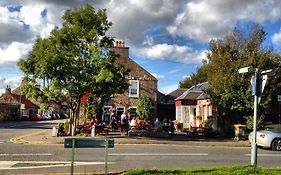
46 117
270 137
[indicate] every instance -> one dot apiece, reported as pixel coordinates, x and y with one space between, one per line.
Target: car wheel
276 144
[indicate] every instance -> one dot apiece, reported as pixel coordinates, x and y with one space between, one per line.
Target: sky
169 38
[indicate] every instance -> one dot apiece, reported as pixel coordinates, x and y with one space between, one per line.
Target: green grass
231 170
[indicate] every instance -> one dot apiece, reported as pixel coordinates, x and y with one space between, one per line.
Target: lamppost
258 82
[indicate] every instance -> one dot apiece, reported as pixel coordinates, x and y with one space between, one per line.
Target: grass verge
230 170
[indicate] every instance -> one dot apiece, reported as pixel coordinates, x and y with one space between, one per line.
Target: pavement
44 137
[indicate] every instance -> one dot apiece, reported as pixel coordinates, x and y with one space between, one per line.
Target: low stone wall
145 133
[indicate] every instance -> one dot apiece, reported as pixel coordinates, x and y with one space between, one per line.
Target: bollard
93 131
54 131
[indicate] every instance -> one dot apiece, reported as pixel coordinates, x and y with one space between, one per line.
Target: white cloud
168 89
183 54
11 82
159 77
203 20
276 38
12 28
14 52
133 19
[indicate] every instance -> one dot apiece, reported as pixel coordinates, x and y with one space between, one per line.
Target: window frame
137 88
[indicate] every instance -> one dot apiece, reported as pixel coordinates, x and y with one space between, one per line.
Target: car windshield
273 128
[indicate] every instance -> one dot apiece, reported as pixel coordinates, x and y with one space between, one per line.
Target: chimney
119 48
8 89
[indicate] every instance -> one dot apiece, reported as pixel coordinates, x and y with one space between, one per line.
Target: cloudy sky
169 38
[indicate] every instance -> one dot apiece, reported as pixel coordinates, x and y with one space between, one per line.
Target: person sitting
157 123
133 123
165 125
139 124
171 127
146 124
114 123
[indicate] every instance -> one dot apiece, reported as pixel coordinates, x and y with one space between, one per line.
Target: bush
250 122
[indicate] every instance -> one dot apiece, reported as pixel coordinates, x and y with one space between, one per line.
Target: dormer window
134 88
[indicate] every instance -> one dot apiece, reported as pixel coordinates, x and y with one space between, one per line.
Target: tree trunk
76 113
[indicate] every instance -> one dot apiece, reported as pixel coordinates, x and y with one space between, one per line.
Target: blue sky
169 38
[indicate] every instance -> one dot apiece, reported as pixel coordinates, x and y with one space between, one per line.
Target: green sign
88 142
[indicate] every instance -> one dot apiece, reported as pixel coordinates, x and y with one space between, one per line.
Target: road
35 159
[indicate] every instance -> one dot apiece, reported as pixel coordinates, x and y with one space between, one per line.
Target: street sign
254 85
88 142
263 82
279 98
22 106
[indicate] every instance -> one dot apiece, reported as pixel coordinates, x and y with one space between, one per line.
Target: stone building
141 83
25 107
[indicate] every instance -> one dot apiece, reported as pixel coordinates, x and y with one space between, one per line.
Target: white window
134 88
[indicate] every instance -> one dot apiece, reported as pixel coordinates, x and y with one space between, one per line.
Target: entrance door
119 111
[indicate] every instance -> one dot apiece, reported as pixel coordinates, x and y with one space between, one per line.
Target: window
106 113
134 88
133 112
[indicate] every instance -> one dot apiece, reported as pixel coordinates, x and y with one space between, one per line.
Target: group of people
166 125
132 123
126 122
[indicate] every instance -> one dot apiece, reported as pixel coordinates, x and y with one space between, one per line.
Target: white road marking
39 154
158 154
7 165
266 155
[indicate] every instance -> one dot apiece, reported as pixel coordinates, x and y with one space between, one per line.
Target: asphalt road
36 159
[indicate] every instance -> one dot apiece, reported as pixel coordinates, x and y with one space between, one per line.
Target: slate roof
195 92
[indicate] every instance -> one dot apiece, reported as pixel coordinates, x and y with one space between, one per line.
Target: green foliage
199 77
231 91
44 106
231 170
250 121
73 60
145 108
64 128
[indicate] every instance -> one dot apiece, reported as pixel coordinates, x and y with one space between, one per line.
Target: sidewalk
45 137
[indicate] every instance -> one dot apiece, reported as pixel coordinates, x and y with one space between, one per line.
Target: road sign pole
254 142
279 113
106 156
72 156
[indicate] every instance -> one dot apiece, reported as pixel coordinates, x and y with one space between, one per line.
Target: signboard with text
279 98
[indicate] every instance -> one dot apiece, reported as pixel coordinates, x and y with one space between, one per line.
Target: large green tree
230 90
75 59
200 76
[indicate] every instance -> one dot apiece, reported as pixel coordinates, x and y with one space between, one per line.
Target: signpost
258 82
89 143
279 103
